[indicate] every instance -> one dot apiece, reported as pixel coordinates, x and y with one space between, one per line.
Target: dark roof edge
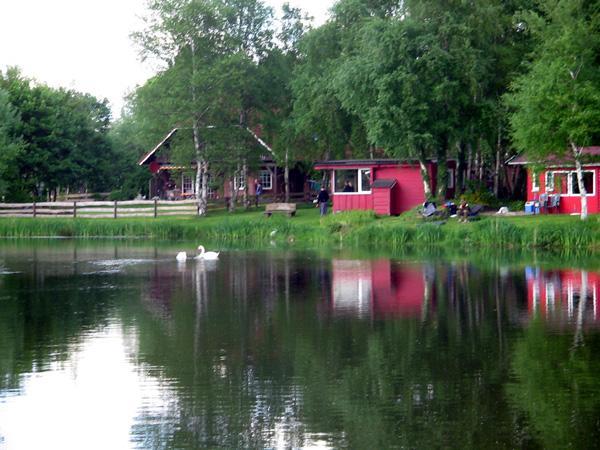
144 158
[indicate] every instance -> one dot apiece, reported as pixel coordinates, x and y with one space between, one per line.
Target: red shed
555 186
385 186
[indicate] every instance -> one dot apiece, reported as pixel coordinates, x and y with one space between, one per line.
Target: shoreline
357 229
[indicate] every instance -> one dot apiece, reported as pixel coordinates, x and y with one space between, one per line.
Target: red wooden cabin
171 181
386 186
558 181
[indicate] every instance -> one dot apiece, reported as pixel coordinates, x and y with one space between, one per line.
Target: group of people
462 211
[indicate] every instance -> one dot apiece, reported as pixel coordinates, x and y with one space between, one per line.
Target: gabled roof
148 155
145 158
353 163
589 154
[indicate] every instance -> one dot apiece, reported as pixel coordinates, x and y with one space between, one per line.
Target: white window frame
358 182
571 175
187 184
266 186
549 180
535 183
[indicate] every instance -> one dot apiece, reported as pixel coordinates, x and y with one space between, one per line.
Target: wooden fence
106 209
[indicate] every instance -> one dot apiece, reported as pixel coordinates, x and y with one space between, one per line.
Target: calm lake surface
115 345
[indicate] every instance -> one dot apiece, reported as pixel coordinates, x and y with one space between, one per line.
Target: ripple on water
112 266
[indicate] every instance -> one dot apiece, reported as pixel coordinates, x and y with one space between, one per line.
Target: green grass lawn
352 229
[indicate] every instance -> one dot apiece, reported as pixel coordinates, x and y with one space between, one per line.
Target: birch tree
201 44
557 102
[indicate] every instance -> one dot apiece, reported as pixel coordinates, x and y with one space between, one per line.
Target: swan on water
206 255
181 256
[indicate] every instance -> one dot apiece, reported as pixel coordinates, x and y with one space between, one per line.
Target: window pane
549 181
365 178
561 185
266 179
346 180
588 182
188 186
450 181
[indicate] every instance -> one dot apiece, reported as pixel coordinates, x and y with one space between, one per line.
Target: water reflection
558 295
379 287
293 350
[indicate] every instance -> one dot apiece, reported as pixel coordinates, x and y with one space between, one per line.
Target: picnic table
285 208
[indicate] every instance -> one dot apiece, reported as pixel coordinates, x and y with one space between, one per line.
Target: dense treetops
474 81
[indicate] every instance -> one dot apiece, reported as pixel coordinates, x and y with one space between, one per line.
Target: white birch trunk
245 191
426 180
582 191
286 177
578 338
201 173
497 165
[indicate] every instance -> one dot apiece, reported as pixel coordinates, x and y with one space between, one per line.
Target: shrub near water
344 221
356 228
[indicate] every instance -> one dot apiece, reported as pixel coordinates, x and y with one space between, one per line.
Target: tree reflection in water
294 350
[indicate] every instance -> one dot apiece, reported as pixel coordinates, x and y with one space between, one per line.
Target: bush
478 194
342 221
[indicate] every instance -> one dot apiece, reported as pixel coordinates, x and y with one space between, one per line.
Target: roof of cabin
590 155
383 183
147 156
360 162
144 159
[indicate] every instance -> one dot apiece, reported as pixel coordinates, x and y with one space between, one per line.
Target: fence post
74 209
155 208
115 210
34 212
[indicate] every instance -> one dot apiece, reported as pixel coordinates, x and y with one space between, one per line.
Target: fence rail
100 209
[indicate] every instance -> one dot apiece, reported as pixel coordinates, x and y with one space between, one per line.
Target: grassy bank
355 229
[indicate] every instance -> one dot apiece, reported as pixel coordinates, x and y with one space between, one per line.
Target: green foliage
557 102
59 139
477 193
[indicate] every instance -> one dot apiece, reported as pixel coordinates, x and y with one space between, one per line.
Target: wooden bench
286 208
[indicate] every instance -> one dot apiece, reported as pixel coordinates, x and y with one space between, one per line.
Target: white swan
206 255
181 256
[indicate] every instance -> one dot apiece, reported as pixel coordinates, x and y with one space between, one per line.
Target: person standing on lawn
258 190
323 200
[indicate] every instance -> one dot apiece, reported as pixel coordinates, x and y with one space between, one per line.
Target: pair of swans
182 256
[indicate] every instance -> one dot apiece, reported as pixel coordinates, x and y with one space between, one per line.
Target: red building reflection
378 287
558 294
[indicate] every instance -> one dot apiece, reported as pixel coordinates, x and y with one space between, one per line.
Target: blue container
530 208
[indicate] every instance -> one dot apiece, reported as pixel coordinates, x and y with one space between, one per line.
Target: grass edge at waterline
353 229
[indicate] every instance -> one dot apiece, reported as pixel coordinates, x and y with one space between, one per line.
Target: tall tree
321 125
11 145
64 134
210 48
409 80
557 102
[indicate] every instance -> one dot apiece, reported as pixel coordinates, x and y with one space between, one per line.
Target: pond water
115 345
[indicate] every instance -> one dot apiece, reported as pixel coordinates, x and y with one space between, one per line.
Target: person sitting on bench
463 211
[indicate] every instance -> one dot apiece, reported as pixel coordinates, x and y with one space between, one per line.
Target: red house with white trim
555 186
386 186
